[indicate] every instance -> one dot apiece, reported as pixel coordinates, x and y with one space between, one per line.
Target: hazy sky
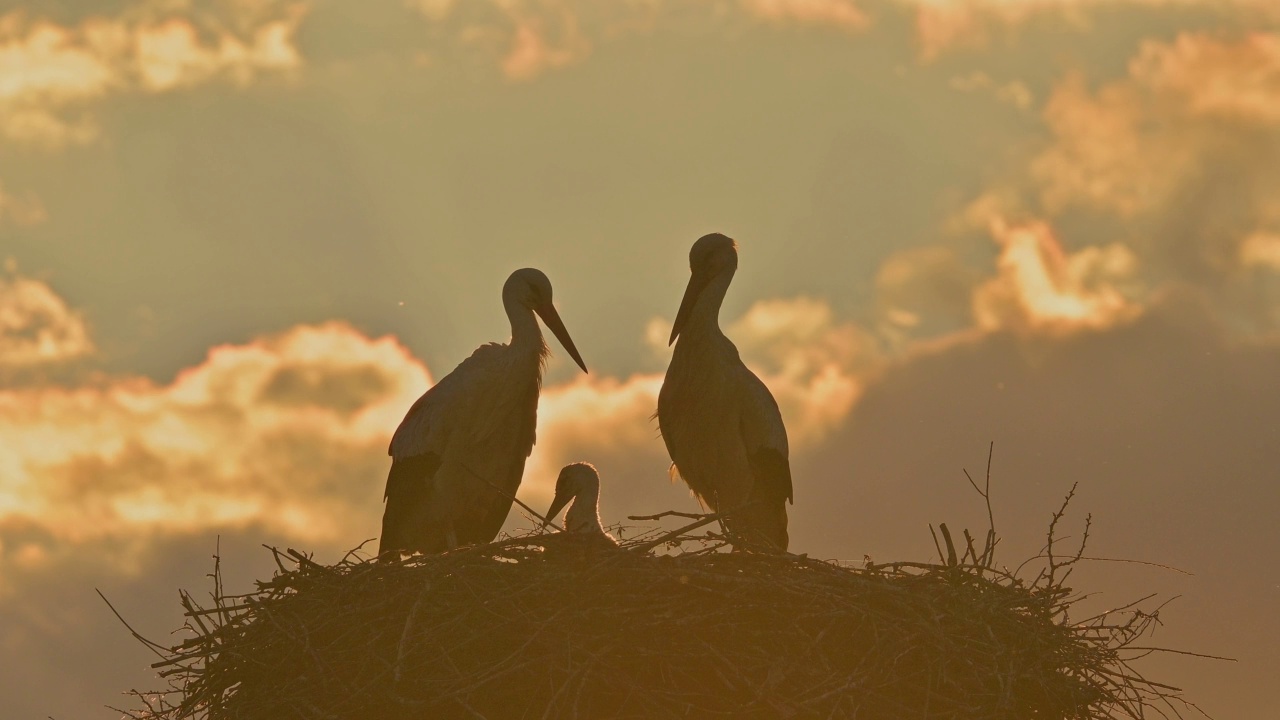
240 237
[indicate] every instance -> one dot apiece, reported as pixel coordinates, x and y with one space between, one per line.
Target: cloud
945 25
287 433
533 51
838 13
1133 144
814 365
1208 77
1181 154
1013 92
1261 250
1039 286
589 418
51 75
1166 175
171 55
37 328
924 292
527 38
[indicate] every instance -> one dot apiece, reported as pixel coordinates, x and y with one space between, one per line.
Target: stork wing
426 427
765 438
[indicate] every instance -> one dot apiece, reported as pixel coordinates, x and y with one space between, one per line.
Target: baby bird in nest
580 483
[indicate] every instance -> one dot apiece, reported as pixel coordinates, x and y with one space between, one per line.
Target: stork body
459 454
720 424
579 483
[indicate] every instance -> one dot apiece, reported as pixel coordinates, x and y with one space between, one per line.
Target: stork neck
705 316
525 333
584 514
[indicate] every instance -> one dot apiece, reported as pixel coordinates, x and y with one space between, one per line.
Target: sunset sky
240 237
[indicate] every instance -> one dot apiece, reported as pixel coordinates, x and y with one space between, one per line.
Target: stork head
710 256
530 288
576 479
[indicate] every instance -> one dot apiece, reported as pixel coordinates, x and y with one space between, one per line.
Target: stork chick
579 483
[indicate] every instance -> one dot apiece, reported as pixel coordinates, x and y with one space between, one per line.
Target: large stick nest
525 629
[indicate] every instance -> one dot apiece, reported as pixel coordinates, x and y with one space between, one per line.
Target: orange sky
241 236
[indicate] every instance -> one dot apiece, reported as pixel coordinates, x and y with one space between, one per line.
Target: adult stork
459 453
580 483
721 425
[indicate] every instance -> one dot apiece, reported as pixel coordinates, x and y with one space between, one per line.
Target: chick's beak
561 499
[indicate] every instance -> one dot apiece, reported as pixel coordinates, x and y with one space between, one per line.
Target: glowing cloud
838 13
588 416
170 54
1131 144
50 74
36 325
1040 287
287 432
923 291
813 365
1215 78
1013 92
532 53
528 39
1261 250
944 25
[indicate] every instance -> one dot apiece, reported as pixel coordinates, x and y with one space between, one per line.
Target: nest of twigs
518 629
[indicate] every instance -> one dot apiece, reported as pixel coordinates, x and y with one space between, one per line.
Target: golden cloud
838 13
1261 250
814 365
50 74
587 416
1206 76
532 50
1040 287
1013 92
36 325
1184 149
924 291
287 432
531 37
1104 152
944 25
1129 146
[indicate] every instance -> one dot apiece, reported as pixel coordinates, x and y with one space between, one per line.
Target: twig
669 513
545 520
646 547
159 650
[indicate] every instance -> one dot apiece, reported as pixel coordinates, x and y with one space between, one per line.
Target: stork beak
561 499
697 281
556 325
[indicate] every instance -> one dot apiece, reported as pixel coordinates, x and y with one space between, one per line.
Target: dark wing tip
772 474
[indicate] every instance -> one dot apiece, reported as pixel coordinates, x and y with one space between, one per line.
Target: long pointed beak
697 281
556 325
557 505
